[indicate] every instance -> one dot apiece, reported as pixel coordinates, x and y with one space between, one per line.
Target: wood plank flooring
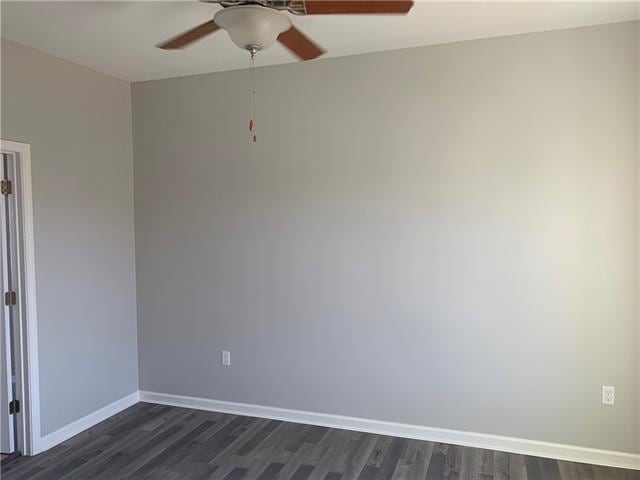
150 441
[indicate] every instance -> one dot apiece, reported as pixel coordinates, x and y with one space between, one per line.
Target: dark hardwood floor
150 441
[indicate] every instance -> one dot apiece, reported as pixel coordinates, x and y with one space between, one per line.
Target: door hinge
6 187
14 407
10 298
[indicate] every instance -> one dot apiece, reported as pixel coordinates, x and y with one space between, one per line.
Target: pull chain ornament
252 123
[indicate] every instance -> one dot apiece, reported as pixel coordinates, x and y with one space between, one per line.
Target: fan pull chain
252 123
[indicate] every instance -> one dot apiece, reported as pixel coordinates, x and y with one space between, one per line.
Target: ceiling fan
254 25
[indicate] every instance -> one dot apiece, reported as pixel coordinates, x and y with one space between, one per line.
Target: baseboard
88 421
469 439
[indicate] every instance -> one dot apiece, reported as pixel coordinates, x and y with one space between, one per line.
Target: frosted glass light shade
251 26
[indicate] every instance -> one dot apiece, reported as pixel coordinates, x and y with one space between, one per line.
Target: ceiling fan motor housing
252 27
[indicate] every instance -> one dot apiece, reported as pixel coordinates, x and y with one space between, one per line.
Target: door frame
26 338
7 337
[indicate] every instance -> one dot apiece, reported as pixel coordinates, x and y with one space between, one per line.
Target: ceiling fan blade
299 44
362 7
190 36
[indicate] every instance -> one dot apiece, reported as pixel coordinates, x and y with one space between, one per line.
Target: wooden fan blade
299 44
190 36
362 7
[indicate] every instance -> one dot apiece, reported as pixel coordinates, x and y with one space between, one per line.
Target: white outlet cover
608 395
226 357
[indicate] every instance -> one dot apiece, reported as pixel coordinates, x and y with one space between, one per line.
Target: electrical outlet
226 358
608 395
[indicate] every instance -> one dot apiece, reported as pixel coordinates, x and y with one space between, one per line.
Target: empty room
320 240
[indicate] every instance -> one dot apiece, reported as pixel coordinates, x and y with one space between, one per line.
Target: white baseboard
88 421
468 439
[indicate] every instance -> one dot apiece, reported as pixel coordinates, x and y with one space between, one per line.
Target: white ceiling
118 38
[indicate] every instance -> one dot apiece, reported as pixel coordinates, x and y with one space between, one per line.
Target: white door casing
25 334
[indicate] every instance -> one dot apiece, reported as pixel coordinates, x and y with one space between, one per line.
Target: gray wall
78 123
444 236
638 171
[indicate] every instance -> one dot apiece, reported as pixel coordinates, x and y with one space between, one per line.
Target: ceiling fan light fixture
252 27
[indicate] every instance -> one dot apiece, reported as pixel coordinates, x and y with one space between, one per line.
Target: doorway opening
19 395
8 265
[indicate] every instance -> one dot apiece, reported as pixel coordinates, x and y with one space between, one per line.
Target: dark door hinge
14 407
10 298
5 187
